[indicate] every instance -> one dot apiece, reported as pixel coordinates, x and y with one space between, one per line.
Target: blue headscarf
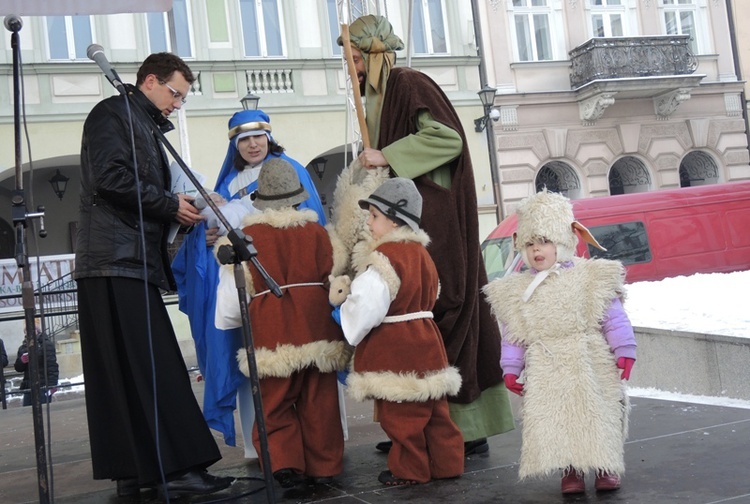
197 275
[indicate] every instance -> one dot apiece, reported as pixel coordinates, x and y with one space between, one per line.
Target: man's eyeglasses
175 94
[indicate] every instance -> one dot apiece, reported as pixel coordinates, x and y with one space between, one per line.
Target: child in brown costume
400 360
298 347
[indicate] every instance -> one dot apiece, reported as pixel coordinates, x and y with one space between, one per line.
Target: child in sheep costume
400 359
564 325
298 347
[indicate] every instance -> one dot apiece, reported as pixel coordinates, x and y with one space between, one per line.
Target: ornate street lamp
59 183
250 101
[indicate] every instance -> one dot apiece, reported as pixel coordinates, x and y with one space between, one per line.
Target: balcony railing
631 57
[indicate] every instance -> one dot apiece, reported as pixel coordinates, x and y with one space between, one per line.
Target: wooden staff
355 85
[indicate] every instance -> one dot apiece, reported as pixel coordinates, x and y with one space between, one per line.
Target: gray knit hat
397 197
278 186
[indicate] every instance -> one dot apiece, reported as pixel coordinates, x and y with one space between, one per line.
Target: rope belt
309 284
391 319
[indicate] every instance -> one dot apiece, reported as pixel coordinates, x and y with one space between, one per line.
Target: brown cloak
449 216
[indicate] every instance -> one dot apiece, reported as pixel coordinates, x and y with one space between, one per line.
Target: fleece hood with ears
546 215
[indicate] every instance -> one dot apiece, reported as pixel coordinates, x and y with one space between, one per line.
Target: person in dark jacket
3 354
131 359
47 359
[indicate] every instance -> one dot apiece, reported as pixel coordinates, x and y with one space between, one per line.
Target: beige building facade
600 97
283 51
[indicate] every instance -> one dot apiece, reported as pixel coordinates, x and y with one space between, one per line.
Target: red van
658 234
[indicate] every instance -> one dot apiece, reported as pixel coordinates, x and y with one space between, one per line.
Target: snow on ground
715 303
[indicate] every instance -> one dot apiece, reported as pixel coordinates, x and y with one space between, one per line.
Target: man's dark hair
163 65
273 148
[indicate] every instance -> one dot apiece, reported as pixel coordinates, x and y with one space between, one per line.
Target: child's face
541 254
378 223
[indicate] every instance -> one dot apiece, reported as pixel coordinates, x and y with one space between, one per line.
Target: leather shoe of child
384 446
287 478
606 481
196 482
572 482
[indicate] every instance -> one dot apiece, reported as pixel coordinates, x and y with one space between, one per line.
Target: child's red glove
512 385
626 364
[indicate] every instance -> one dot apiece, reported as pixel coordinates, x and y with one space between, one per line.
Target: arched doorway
559 177
698 168
629 175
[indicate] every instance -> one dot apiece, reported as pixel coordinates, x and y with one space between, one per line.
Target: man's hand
187 214
211 236
25 358
372 158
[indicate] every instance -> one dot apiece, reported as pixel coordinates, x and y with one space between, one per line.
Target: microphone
13 23
95 52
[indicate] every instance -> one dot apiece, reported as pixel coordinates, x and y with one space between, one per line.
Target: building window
531 20
158 30
68 37
607 18
428 27
680 18
262 28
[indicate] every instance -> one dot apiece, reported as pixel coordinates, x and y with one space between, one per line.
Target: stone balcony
657 67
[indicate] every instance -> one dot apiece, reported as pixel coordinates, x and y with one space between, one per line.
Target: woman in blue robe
197 275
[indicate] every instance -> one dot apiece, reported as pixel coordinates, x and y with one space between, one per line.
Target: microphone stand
242 250
20 216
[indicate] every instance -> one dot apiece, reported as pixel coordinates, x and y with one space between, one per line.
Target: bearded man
416 132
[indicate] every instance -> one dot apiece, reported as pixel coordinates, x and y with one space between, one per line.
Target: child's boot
572 482
606 481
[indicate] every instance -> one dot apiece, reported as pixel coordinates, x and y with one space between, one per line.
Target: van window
497 254
626 242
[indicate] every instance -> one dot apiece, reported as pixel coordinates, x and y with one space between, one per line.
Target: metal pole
488 129
18 212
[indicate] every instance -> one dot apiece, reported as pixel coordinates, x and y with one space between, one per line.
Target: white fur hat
546 215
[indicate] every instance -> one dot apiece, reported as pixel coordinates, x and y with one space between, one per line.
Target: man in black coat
143 418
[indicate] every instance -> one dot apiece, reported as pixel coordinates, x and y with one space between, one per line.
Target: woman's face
253 149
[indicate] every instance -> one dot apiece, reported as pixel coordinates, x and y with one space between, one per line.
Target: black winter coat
109 242
53 371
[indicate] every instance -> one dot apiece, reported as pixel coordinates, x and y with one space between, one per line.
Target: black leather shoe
476 446
287 478
196 482
319 480
128 487
384 446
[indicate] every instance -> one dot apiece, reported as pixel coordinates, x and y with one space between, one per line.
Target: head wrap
373 36
241 124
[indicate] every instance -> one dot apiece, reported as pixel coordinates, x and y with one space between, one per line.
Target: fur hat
278 186
546 215
397 197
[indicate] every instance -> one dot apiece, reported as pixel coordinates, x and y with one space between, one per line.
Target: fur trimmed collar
402 234
362 252
283 218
